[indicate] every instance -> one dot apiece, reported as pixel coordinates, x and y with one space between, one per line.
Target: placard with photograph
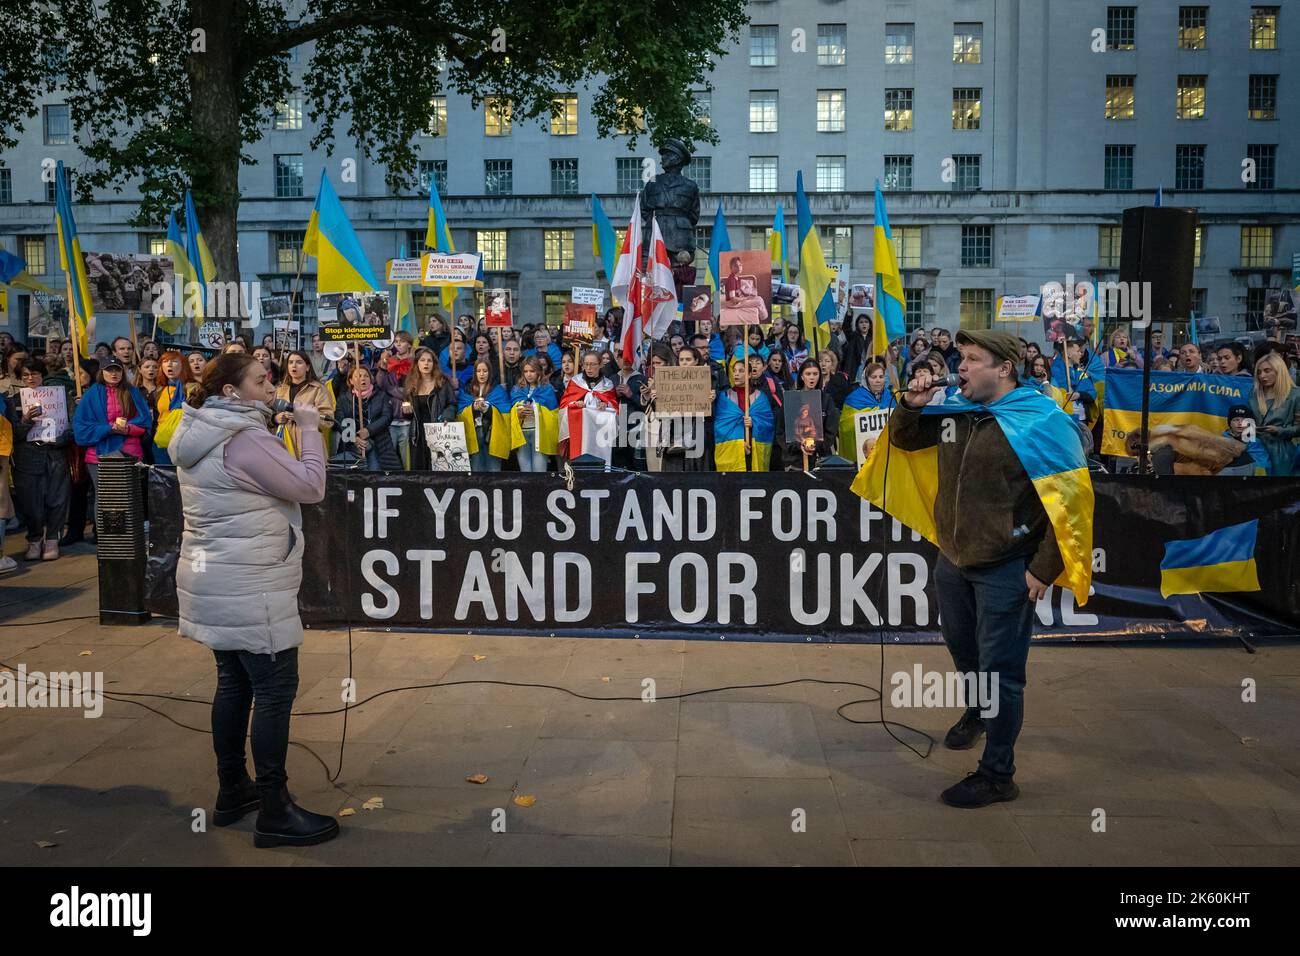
870 425
746 293
1279 310
353 316
579 326
276 307
697 303
47 315
803 418
448 450
862 295
497 313
122 283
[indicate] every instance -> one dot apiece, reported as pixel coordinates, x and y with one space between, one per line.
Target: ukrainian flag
1047 444
438 238
729 433
1220 561
405 304
1177 398
891 307
816 278
501 443
13 272
82 315
196 247
719 242
546 418
341 264
776 244
858 401
603 241
1088 380
181 262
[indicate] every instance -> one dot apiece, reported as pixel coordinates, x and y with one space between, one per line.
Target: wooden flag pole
501 356
749 438
135 341
72 334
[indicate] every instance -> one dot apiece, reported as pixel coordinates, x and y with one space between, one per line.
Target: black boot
234 801
963 734
283 823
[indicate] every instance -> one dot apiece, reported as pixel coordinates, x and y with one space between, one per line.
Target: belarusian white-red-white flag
629 256
662 293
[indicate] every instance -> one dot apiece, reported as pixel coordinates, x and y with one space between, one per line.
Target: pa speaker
1157 247
119 536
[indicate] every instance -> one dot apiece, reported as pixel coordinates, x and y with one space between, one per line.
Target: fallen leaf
479 657
85 653
45 844
604 680
347 811
525 800
374 803
477 778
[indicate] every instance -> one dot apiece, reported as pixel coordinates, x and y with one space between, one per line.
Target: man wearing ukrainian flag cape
995 476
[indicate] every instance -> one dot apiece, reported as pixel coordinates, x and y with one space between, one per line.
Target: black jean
242 678
987 621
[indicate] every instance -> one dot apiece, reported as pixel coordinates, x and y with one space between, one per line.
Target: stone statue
674 201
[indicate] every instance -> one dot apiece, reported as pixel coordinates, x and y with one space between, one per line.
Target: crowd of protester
372 412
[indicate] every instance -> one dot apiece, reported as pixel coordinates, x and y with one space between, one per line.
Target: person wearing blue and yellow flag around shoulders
735 409
995 476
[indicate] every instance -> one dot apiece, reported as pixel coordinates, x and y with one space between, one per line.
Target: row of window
558 247
1193 28
833 43
1189 166
1189 102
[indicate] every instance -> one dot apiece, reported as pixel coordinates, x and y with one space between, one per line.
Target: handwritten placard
683 390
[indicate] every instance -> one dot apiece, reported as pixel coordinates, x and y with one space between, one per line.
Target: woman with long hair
263 355
872 395
737 408
298 383
1276 404
778 369
111 418
1121 353
237 584
42 484
173 382
428 397
533 402
482 402
794 346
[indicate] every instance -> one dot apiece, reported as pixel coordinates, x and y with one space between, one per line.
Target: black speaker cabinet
119 531
1158 246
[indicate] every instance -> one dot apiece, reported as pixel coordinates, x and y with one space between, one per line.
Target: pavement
1130 754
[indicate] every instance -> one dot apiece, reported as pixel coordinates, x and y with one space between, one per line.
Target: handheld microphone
280 405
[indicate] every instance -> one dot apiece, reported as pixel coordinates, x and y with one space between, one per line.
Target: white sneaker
8 564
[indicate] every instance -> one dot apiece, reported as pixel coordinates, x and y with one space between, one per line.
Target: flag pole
72 330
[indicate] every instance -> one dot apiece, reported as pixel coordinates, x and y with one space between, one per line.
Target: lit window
976 308
32 248
1192 27
1119 97
831 44
1191 97
288 251
557 246
1196 254
1108 239
564 115
1257 247
967 42
907 246
898 43
491 245
288 112
966 108
496 116
898 109
437 117
1263 28
702 105
830 111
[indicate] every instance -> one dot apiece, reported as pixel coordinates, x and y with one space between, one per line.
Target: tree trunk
214 110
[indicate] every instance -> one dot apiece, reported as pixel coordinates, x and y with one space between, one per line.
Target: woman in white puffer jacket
237 582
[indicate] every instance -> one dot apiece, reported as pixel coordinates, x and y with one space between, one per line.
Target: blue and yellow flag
719 242
1220 561
13 272
341 264
81 313
438 238
546 417
603 240
1087 378
196 247
729 433
501 440
776 244
1044 439
175 248
405 310
857 402
1177 398
891 304
816 278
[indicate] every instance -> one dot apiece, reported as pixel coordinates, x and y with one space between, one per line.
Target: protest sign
841 288
122 283
697 303
1177 398
496 309
746 288
1018 308
583 295
870 423
212 335
579 323
459 269
448 450
683 390
276 307
352 316
405 270
46 315
53 420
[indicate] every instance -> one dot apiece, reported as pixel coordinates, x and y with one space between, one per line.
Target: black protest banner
776 556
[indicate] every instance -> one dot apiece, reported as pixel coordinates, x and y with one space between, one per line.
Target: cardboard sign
869 426
1018 308
405 270
53 420
497 313
448 450
579 323
683 390
583 295
459 269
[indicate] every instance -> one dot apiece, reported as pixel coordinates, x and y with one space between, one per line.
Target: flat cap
1003 346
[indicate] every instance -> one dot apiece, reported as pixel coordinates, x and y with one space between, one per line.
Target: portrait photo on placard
697 303
803 418
746 288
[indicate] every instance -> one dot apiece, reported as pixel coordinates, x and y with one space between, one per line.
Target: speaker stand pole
1144 450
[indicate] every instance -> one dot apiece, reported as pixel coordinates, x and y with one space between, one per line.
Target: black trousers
270 682
42 489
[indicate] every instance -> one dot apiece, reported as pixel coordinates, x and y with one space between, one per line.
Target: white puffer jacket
241 552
